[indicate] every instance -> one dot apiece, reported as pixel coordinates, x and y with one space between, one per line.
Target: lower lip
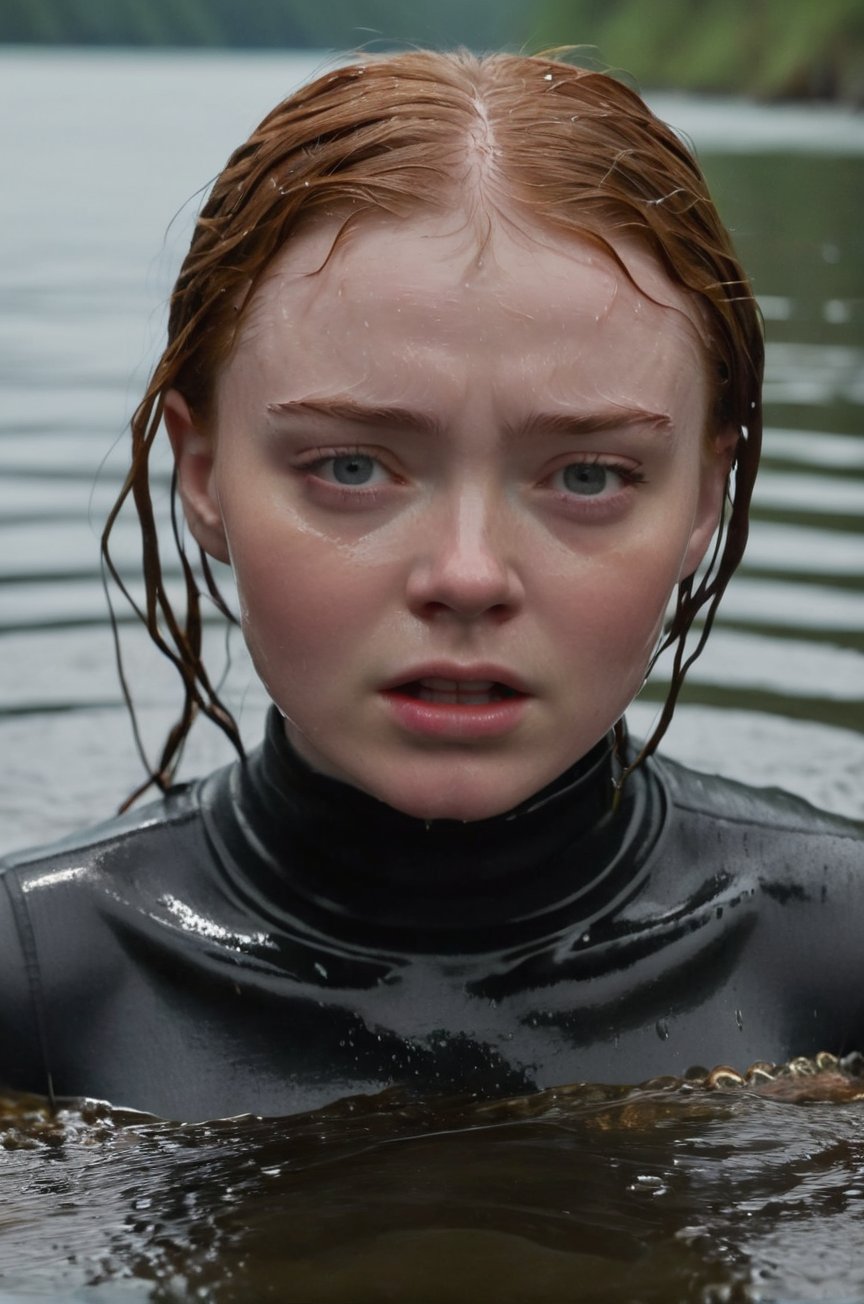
452 720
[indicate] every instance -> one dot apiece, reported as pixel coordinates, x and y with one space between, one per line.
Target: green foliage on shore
769 48
264 24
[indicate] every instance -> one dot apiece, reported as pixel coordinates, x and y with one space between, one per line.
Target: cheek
299 595
616 608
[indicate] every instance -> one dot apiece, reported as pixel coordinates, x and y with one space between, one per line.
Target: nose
464 562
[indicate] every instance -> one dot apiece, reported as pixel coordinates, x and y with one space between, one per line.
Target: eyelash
361 495
631 476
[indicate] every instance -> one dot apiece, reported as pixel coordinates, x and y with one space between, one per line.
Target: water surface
707 1191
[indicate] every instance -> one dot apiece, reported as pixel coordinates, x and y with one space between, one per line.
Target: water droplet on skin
661 1027
739 1019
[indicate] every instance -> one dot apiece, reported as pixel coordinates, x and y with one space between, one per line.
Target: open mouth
457 692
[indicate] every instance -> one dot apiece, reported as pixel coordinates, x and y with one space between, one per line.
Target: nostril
465 583
497 612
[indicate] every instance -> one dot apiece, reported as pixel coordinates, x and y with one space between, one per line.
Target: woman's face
457 482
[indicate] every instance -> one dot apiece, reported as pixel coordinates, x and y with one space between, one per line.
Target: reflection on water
711 1190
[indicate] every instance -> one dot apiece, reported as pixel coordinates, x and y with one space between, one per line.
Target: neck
332 855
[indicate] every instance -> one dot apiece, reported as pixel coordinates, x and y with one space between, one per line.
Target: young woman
460 363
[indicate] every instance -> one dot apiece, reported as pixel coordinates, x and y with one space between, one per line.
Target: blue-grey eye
585 478
353 468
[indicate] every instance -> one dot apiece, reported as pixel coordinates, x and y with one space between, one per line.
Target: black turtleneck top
267 940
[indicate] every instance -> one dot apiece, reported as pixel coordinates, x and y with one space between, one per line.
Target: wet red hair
573 149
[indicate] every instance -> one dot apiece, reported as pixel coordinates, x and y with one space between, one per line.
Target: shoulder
771 825
116 866
65 911
728 800
61 903
108 840
784 876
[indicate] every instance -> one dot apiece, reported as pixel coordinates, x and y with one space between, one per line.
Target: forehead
357 299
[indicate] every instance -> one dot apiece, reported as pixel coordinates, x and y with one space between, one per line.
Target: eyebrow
592 422
342 407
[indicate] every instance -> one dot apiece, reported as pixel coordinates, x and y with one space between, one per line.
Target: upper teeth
459 685
459 692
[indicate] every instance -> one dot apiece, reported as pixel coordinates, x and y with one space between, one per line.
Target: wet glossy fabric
267 940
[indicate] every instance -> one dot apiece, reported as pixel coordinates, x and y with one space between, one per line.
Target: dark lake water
672 1192
678 1192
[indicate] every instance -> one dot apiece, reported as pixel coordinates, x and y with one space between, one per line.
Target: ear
193 457
717 461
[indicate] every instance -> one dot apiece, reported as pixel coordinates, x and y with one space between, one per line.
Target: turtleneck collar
342 862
